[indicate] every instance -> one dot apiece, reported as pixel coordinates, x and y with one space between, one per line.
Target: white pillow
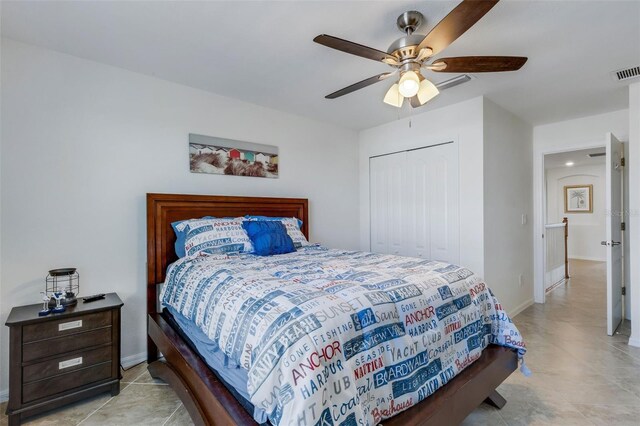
293 229
209 235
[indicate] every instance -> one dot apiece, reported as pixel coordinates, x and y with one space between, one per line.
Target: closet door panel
387 203
434 224
414 203
419 215
397 206
379 176
445 222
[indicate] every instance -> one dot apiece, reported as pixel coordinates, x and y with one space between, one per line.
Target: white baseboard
634 342
593 259
131 360
520 308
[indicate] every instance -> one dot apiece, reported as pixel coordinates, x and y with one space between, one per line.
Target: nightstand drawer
66 364
51 347
63 327
40 389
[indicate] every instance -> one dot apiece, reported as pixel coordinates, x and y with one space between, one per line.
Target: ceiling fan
409 54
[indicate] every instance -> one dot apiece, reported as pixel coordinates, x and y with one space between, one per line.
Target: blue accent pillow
268 237
250 217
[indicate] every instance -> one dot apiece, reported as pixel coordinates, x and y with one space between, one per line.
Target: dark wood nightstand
62 358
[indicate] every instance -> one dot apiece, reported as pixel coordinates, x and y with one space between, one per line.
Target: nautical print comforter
333 337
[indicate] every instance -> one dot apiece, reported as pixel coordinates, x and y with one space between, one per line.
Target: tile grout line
502 418
96 410
174 411
624 352
109 400
588 420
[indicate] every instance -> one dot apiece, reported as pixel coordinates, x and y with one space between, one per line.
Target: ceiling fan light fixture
409 84
427 91
393 96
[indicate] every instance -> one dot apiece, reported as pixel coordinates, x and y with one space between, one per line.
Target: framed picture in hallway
578 199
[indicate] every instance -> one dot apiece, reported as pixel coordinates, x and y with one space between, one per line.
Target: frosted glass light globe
409 84
393 98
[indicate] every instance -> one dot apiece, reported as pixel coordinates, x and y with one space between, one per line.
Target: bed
207 398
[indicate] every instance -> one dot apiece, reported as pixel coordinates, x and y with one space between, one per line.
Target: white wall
461 123
508 244
84 142
634 209
570 135
586 230
585 131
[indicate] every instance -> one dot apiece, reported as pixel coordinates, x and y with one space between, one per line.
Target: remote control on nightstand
93 298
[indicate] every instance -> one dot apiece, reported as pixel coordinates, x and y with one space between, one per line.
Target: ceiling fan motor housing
405 47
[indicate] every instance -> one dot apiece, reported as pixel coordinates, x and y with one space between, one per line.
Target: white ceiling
262 52
579 158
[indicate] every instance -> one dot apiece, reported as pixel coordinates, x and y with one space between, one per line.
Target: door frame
540 208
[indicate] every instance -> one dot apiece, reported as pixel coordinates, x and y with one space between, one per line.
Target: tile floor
580 375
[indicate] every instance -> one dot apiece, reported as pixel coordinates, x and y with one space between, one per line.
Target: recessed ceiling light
569 163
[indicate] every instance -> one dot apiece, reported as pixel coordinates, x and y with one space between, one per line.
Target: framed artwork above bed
578 199
220 156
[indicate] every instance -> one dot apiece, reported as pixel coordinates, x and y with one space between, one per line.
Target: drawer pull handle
70 363
69 325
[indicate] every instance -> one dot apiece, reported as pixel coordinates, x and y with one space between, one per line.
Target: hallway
580 376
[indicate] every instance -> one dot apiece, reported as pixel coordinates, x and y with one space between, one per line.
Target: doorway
581 227
575 212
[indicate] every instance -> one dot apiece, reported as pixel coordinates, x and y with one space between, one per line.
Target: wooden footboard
209 402
452 403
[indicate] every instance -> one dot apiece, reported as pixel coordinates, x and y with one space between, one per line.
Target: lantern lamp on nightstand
62 286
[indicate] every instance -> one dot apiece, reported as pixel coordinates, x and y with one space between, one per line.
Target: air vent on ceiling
626 73
597 154
454 81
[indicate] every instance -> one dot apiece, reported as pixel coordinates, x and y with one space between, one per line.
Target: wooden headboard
163 209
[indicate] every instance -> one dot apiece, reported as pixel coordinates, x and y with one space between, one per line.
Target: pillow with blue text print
293 229
180 229
215 236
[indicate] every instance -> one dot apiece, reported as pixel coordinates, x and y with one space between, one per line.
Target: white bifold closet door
414 206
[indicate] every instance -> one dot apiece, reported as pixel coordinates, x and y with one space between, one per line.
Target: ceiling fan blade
478 64
355 49
360 85
456 23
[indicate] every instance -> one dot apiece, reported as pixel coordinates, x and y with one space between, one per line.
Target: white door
614 174
386 181
432 192
414 203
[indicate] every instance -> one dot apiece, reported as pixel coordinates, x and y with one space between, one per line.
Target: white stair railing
557 262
